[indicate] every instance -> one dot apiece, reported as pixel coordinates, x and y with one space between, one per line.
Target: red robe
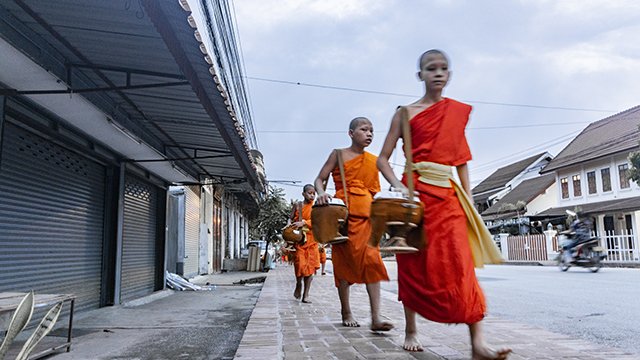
355 261
306 258
439 282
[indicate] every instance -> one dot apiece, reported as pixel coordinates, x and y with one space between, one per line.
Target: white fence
620 247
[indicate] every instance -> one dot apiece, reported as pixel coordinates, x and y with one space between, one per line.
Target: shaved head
307 186
424 55
357 121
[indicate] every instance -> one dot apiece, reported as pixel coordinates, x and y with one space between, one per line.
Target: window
591 182
564 185
577 189
606 180
623 172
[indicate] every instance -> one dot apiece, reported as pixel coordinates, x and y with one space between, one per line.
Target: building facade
98 126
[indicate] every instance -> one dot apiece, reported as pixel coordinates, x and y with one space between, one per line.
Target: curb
633 265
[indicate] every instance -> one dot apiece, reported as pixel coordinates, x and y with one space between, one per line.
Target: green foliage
272 216
518 207
634 169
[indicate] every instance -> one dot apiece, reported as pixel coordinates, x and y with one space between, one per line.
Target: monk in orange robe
354 262
306 258
439 281
323 258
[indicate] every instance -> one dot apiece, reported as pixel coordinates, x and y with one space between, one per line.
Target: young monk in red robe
439 282
354 262
306 258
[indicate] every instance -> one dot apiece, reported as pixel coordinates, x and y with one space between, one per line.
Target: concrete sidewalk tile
282 327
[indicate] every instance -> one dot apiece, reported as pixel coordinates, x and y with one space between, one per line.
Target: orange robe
355 261
306 259
439 282
323 255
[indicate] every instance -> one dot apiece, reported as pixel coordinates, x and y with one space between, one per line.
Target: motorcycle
579 248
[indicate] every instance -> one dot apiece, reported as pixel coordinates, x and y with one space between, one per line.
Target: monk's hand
323 199
401 188
298 224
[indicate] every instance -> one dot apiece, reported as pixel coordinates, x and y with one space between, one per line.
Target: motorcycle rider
580 233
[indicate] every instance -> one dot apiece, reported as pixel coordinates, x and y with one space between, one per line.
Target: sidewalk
206 324
281 327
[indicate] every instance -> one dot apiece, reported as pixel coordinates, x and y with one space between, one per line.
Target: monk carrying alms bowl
294 235
330 222
393 213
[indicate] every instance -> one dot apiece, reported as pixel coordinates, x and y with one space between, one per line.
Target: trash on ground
177 282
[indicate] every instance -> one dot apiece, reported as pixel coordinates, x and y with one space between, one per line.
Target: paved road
282 327
603 307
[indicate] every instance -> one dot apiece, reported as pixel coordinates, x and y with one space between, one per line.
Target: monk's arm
307 222
323 176
463 174
395 131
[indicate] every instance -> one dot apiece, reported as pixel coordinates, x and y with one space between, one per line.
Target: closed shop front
52 215
142 239
192 230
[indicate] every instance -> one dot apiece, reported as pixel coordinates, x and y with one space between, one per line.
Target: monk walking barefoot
354 262
306 259
439 281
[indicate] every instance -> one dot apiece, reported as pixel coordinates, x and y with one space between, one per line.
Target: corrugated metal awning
140 63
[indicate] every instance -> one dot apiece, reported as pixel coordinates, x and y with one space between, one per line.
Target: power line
244 70
491 164
298 83
469 128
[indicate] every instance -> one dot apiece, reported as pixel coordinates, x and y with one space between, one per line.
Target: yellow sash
483 248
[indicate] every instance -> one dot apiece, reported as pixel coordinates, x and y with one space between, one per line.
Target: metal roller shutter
192 231
51 218
139 239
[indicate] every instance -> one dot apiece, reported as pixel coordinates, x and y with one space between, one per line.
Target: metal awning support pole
119 235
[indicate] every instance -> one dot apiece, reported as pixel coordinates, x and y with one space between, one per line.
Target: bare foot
349 321
382 326
486 353
306 301
411 343
297 291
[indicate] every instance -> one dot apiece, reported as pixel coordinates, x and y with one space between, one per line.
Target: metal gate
527 247
51 218
191 230
139 239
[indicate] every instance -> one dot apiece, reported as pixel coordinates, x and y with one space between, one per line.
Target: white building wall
597 165
544 201
206 230
533 171
237 233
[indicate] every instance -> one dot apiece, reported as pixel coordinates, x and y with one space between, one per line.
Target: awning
618 205
141 64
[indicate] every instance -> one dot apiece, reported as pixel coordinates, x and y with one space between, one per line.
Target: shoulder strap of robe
344 181
406 136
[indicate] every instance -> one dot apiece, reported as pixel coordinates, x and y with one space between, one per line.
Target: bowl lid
395 194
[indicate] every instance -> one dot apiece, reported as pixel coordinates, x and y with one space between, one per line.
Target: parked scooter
579 248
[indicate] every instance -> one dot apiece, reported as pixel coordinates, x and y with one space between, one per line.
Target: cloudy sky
536 72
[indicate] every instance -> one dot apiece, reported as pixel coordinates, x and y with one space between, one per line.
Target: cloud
557 53
267 14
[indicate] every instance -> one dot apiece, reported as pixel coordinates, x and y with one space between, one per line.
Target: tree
520 207
272 216
634 171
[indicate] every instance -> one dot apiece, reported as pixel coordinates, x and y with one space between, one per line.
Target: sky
535 72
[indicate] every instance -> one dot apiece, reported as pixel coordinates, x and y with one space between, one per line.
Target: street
601 307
